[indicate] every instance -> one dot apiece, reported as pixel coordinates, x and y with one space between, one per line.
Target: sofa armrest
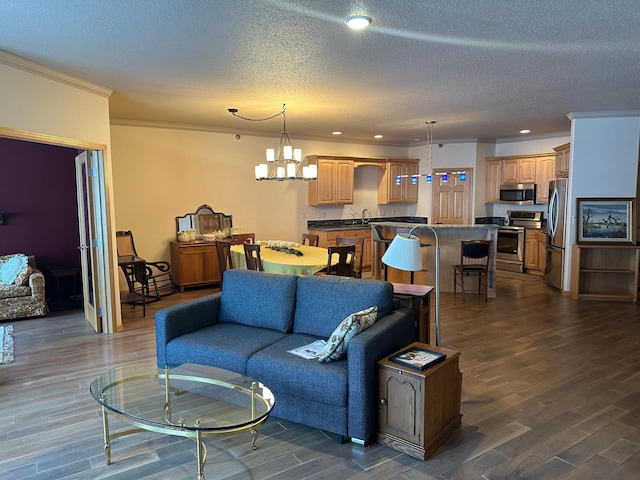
387 335
184 318
36 283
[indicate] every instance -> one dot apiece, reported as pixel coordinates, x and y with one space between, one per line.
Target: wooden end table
420 304
419 409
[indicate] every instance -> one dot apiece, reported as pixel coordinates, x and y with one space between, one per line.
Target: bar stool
377 237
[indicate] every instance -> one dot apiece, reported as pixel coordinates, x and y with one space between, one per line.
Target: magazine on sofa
313 350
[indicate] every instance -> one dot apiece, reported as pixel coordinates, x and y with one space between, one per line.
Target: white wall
161 173
604 161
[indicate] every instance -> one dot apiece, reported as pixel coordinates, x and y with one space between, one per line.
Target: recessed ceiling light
336 133
357 22
525 131
377 136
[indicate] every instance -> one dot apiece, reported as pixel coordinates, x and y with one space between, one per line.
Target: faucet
369 216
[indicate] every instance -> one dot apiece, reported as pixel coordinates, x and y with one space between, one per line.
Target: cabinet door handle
383 401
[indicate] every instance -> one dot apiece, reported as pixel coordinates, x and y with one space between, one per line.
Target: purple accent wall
38 193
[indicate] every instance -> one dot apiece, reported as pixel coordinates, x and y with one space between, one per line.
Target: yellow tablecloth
313 260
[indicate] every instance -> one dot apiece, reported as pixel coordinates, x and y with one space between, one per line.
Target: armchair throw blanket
255 321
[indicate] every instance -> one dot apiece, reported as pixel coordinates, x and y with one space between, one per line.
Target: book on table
418 358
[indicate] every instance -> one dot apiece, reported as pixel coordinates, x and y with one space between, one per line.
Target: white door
89 202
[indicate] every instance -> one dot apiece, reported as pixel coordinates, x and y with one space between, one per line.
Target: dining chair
346 259
158 273
252 256
240 238
225 262
310 239
475 258
358 242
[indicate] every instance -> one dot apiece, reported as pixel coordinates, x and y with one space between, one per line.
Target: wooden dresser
194 264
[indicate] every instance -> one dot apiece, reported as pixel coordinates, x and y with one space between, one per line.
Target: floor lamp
404 254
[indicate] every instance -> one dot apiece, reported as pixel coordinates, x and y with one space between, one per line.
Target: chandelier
285 162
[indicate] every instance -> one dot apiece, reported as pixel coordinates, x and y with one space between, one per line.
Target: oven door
510 249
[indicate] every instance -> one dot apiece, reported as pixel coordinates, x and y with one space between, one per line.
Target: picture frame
605 221
417 358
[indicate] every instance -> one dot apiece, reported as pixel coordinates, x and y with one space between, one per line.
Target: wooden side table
419 409
420 304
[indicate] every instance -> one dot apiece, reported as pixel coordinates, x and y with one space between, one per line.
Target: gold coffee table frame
121 394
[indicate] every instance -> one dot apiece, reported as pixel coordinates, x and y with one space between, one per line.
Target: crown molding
124 122
605 114
30 66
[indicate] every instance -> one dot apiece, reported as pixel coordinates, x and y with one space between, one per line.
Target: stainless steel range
510 239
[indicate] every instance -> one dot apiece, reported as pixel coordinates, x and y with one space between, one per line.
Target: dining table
312 260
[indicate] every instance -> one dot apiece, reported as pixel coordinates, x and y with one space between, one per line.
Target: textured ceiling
481 69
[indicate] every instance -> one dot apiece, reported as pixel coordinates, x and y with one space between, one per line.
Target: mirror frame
223 220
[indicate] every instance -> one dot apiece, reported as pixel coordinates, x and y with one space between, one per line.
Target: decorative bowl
209 237
184 236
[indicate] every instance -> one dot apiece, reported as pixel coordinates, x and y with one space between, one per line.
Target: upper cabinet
537 168
562 160
334 184
518 170
404 191
494 177
545 172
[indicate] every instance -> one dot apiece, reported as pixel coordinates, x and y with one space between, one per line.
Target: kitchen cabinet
194 264
605 272
494 176
535 254
545 172
562 160
519 170
334 184
406 191
419 409
328 237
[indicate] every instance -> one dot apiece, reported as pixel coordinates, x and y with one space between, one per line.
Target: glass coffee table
192 401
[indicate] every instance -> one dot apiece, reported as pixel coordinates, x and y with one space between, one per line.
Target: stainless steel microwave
518 193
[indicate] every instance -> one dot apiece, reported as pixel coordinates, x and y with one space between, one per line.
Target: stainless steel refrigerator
553 273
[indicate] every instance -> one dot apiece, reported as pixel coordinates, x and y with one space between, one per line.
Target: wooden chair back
359 244
252 256
346 260
240 238
310 239
225 262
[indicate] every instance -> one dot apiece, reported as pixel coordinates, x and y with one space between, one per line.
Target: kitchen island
449 237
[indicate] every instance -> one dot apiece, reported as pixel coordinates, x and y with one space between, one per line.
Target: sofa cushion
223 345
336 346
14 291
14 269
284 372
258 299
324 301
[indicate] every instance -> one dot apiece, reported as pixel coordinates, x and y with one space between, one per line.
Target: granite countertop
433 225
348 224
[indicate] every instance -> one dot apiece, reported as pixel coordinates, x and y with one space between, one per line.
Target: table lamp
404 254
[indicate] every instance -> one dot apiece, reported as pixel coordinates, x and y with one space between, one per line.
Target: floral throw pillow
355 323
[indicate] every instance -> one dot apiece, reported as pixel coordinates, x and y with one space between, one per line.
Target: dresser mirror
204 220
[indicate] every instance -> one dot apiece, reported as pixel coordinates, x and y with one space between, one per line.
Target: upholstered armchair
22 288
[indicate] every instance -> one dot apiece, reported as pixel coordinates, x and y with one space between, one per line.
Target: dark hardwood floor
551 390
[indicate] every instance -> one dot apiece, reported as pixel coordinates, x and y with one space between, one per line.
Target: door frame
111 318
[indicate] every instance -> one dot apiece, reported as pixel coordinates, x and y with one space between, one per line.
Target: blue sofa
258 317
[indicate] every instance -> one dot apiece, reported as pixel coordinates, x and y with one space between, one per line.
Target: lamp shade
404 253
